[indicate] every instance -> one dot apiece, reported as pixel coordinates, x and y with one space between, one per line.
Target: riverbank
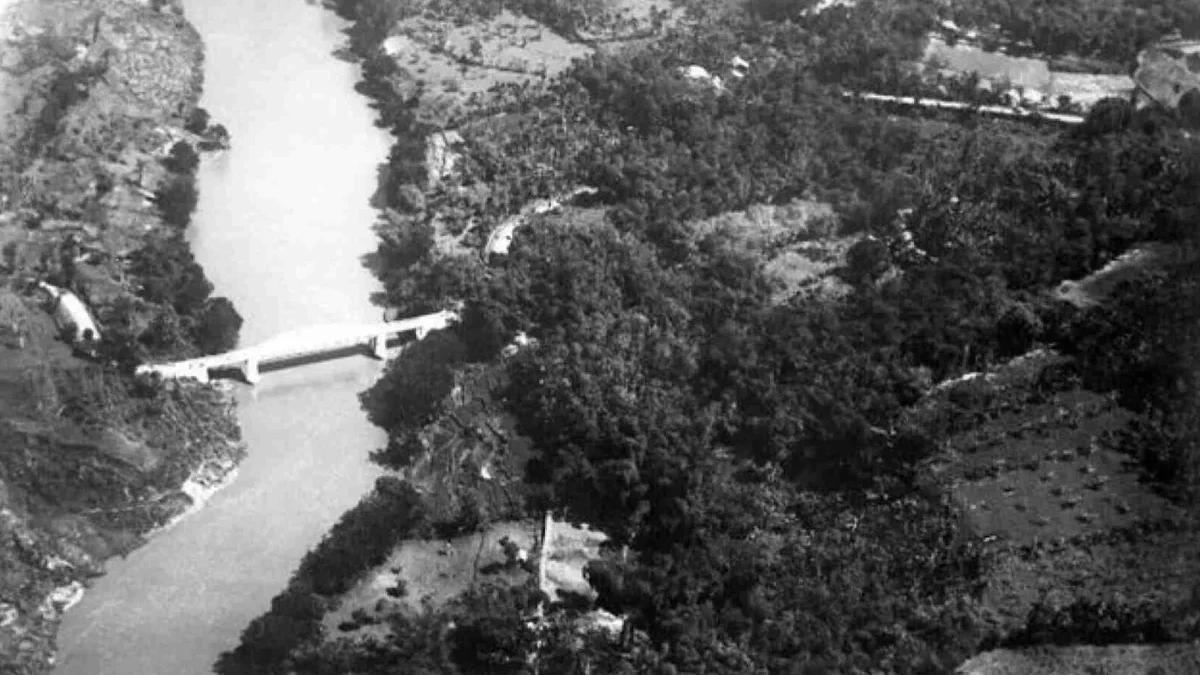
94 97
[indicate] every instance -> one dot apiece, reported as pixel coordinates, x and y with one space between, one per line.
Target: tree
1107 116
217 326
183 159
1017 330
197 121
866 261
177 200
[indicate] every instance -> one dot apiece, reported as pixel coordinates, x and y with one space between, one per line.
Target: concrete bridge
300 345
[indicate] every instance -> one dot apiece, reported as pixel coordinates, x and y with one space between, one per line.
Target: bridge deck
308 343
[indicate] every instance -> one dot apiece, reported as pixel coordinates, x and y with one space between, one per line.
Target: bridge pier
422 332
378 345
250 371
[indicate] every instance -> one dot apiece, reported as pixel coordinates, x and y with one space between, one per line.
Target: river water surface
282 223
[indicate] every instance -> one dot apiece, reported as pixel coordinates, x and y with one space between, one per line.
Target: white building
71 316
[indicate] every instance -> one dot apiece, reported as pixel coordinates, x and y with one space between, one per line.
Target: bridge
299 345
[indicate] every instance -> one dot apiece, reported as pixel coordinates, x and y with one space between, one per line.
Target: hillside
92 96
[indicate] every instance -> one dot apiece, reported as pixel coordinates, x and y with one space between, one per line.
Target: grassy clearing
430 574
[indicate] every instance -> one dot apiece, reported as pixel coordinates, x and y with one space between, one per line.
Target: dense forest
723 435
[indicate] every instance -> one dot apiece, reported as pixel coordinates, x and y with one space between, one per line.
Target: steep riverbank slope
93 96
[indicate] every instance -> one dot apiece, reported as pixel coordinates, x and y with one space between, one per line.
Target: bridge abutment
250 371
200 374
378 345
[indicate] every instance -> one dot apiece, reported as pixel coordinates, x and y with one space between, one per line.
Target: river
281 226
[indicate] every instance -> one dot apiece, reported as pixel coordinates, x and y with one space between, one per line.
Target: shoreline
205 482
60 556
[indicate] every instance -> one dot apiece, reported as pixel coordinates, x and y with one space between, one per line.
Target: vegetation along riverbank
99 134
850 389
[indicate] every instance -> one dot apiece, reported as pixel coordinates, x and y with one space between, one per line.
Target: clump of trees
415 386
176 200
217 326
169 276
